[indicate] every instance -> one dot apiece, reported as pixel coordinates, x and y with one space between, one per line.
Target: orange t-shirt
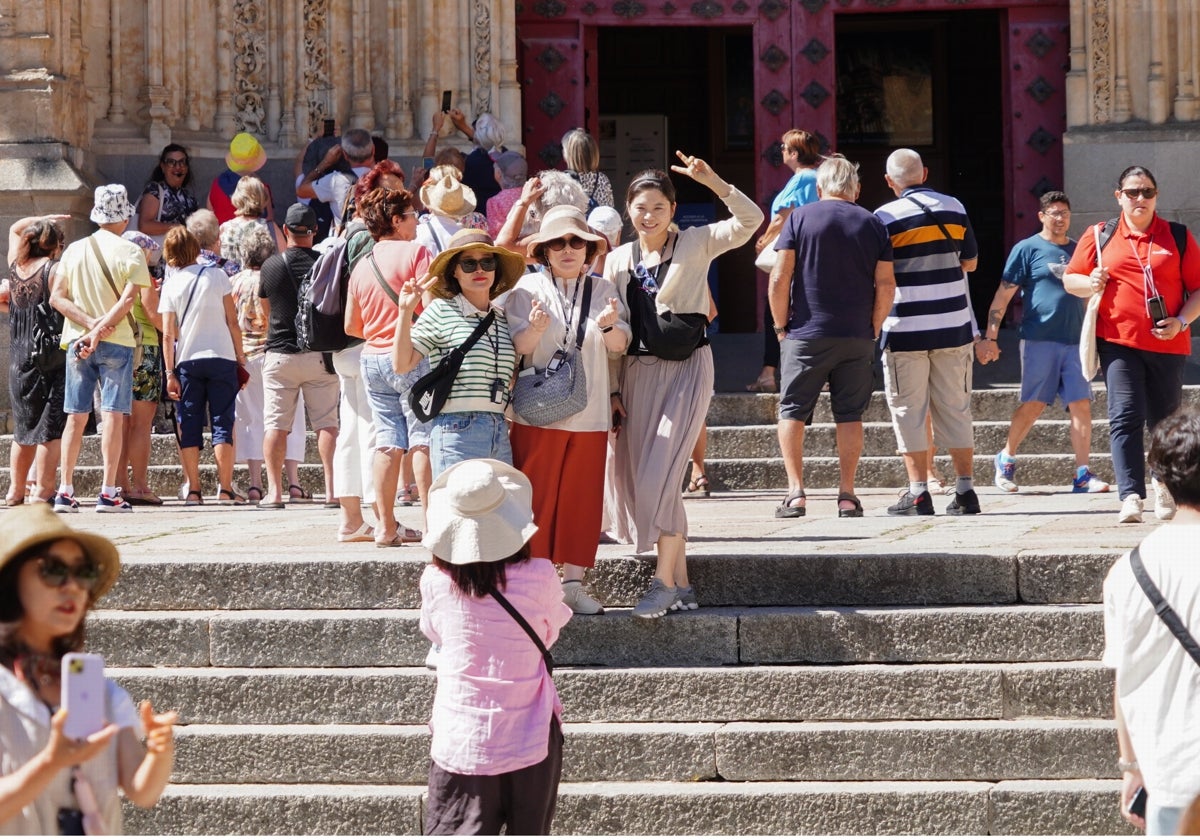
398 261
1122 315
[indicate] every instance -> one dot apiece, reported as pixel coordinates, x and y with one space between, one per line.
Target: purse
553 393
1089 355
429 393
47 354
138 350
767 257
666 335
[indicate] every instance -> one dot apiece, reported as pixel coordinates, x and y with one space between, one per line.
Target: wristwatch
780 330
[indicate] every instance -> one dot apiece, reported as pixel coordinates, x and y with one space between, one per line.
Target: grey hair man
831 288
327 183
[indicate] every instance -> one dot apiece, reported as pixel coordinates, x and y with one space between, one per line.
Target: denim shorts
112 366
396 427
461 436
1050 369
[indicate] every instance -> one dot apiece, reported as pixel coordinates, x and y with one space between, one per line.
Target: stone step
1027 807
873 692
658 752
729 636
789 573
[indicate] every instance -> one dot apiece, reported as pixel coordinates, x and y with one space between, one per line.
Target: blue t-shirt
837 245
800 189
1051 312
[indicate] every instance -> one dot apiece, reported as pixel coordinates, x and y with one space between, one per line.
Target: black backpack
1178 231
321 304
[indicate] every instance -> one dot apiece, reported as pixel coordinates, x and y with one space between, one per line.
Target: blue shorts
463 435
208 388
1050 369
109 364
396 427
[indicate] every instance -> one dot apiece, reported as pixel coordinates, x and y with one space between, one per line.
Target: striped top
444 325
932 309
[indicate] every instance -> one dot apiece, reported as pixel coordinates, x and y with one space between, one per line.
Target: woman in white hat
448 200
497 735
50 577
565 459
464 282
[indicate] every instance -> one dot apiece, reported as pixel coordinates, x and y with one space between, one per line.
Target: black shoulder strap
1106 232
483 326
520 619
937 221
1179 233
585 307
1162 608
382 283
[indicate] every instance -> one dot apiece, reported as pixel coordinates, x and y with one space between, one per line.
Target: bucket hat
448 197
29 525
480 511
508 272
246 154
111 205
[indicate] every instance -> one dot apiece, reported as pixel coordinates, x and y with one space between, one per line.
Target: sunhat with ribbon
508 271
24 527
448 197
563 222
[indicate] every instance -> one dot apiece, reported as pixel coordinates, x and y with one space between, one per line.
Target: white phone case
83 694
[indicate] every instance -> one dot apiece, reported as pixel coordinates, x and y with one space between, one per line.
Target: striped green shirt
446 324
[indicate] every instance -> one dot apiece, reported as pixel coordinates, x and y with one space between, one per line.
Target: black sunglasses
575 243
1144 192
54 573
486 264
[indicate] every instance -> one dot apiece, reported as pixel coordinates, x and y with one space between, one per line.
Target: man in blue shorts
1049 334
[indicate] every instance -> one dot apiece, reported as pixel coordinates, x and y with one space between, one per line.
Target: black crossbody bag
520 619
667 335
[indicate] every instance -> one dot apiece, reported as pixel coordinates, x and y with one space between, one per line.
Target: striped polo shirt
444 325
932 309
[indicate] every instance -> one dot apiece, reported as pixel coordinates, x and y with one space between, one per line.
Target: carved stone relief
1101 64
250 65
315 78
481 54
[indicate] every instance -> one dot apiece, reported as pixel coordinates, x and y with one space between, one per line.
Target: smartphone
83 694
1156 308
445 102
329 126
1137 805
427 163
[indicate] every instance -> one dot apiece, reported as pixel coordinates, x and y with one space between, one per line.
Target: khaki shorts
285 376
930 382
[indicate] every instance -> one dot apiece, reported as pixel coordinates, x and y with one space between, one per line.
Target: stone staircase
872 676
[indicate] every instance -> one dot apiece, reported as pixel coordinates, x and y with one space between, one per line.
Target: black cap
301 218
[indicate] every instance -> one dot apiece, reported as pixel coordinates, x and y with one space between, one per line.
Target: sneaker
65 503
1089 482
964 504
1164 502
581 603
113 504
657 600
685 599
910 505
1005 472
1131 509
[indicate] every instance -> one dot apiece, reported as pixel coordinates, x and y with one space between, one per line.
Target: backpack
321 308
1178 231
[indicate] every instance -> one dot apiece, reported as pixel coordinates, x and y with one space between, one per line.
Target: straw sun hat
508 272
29 525
480 511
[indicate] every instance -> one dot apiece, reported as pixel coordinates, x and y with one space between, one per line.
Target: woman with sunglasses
166 200
464 281
667 376
1142 336
565 460
50 577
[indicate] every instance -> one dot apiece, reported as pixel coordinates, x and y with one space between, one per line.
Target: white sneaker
1131 509
581 603
1164 502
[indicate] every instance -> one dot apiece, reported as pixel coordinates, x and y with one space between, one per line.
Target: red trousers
566 470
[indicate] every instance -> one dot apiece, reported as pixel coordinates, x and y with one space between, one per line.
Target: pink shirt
397 261
498 207
494 700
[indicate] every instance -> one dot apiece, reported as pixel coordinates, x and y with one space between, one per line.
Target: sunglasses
469 265
1144 192
574 243
175 161
54 573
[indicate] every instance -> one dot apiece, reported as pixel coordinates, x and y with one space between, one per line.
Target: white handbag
767 256
1089 357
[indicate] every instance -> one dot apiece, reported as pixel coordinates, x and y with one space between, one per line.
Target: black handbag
667 335
430 392
47 355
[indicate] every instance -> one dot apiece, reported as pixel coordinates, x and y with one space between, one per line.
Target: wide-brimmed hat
479 511
111 205
29 525
246 154
448 197
561 222
508 272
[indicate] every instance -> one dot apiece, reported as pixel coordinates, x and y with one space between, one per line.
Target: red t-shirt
1122 316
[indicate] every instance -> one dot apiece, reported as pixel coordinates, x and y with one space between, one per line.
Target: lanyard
568 310
1149 290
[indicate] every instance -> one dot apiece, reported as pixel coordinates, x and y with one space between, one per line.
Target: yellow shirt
84 282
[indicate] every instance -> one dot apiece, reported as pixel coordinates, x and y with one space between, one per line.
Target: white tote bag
1089 357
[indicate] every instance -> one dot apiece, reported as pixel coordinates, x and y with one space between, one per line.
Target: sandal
698 486
409 496
254 494
230 497
194 497
787 510
763 385
403 535
298 494
849 513
364 533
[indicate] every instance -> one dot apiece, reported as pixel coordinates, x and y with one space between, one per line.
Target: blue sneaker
113 504
65 503
1088 482
1006 471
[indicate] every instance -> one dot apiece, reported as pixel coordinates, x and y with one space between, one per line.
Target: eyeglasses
574 243
176 162
1056 214
469 265
412 213
54 573
1144 192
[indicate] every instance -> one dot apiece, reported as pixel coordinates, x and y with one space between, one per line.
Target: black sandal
786 511
851 513
194 497
698 486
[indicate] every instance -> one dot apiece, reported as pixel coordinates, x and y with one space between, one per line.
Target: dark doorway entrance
701 80
931 82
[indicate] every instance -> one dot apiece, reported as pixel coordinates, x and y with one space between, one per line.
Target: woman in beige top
667 377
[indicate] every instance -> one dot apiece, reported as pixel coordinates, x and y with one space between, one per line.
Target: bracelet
607 329
985 338
1127 766
1183 322
615 394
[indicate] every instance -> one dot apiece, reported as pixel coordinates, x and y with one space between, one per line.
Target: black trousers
522 801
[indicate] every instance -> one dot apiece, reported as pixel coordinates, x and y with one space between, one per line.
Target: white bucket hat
479 511
448 197
111 205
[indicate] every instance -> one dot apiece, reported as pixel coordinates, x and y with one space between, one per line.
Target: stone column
1077 76
1159 105
275 14
289 39
400 120
362 110
223 120
1185 94
1122 104
116 99
156 93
